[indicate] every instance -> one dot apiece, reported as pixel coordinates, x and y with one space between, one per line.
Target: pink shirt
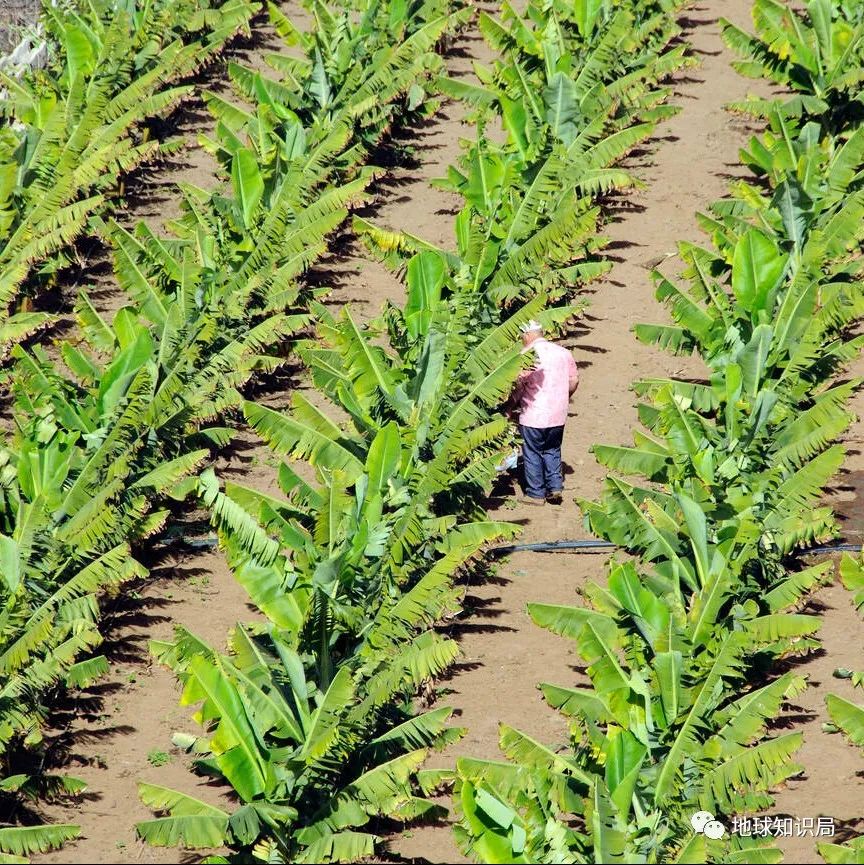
544 391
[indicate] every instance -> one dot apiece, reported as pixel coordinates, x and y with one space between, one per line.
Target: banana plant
312 763
81 125
77 490
816 52
349 82
632 734
766 420
816 198
733 468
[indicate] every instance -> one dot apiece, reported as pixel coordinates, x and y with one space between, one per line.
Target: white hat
531 326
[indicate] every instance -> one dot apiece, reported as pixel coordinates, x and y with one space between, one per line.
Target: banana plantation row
677 712
73 130
310 716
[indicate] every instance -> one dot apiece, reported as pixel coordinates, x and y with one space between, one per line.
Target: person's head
531 332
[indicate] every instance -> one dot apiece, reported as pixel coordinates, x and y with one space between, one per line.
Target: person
542 397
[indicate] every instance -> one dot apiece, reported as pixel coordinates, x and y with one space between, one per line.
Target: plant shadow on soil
510 483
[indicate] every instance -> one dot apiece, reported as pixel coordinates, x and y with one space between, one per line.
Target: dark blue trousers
541 459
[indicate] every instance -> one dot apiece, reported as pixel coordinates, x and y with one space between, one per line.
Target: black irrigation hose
836 548
593 546
588 546
553 547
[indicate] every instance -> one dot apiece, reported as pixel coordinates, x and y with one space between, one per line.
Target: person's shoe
532 500
556 497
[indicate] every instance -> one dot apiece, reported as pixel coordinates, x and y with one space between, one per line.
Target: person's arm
524 388
573 376
511 407
519 386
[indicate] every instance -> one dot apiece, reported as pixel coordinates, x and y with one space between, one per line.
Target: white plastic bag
510 462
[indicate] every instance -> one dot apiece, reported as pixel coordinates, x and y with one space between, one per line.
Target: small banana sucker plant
76 127
675 712
847 715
